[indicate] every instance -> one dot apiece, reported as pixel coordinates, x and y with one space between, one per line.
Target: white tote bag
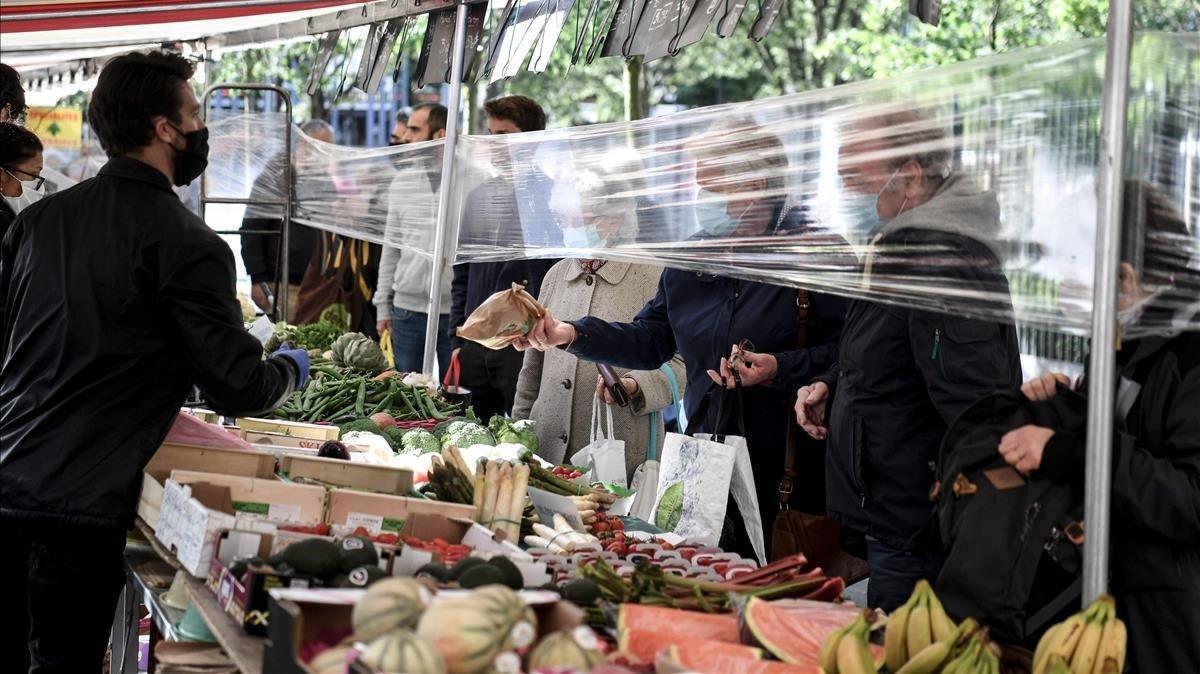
604 456
645 478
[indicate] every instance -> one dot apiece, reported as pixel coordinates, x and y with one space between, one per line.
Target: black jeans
491 376
62 584
894 574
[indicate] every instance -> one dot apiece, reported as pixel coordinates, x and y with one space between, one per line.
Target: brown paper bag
502 318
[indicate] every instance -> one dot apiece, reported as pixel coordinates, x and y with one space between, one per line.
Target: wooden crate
382 479
246 462
355 508
292 428
268 498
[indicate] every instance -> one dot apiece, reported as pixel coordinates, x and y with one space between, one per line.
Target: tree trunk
635 100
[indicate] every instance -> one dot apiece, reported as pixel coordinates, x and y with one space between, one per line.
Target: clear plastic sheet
968 189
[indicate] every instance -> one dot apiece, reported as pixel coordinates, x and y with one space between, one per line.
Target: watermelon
645 645
794 629
706 660
389 604
678 623
403 651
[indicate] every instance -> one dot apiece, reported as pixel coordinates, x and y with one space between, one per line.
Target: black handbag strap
1047 613
729 408
789 448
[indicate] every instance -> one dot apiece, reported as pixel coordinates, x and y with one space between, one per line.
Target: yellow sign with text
58 128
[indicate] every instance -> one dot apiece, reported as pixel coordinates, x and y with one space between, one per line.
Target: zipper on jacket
936 353
1031 514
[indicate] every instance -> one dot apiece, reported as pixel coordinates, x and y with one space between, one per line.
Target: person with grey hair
557 390
762 340
904 373
260 252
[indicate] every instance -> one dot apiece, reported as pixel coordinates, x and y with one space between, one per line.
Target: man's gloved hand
300 358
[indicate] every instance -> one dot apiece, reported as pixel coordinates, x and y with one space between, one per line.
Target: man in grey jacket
402 294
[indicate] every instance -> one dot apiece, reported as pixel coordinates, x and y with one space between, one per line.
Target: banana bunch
1091 641
915 627
976 656
845 650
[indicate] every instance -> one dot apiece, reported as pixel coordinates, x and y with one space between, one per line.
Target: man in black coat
1155 552
905 373
116 301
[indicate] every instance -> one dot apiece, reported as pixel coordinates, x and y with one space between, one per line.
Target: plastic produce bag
604 455
502 318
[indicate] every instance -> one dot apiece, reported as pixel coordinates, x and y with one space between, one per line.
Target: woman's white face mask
28 195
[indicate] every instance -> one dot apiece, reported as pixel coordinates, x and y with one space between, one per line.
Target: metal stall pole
1101 377
280 304
442 239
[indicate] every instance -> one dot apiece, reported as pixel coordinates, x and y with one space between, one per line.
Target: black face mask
191 161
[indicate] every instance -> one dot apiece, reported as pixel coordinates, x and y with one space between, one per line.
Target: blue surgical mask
582 237
862 218
712 214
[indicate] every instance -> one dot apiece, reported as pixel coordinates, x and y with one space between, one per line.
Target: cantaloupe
576 649
403 652
389 604
330 661
471 631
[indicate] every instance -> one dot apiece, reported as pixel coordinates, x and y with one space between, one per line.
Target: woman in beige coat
557 390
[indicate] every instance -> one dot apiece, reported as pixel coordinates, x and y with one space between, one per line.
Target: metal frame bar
1102 376
281 286
444 242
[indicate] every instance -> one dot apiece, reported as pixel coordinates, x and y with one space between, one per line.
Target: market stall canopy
37 34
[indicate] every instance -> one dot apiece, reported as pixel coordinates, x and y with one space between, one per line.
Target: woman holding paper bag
557 390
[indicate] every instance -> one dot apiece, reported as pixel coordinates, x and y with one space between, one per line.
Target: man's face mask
712 213
191 161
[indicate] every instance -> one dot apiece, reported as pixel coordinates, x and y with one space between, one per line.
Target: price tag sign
372 523
548 505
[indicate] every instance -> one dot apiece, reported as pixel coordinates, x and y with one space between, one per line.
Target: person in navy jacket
702 317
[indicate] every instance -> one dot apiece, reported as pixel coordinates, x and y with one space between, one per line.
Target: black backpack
1012 543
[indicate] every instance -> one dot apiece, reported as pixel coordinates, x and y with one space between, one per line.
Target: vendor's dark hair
132 90
17 144
437 116
520 110
12 96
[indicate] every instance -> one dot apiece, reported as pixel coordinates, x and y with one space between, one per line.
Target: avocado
239 566
550 587
480 575
314 557
509 572
462 566
340 580
436 571
363 576
277 559
357 551
581 592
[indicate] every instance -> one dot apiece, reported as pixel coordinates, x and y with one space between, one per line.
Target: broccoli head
467 434
419 441
395 438
361 425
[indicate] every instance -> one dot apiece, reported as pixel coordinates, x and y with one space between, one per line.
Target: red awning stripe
94 14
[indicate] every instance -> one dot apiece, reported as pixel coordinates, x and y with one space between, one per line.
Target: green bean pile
338 395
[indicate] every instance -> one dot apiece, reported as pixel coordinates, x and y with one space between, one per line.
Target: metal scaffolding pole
1102 376
443 238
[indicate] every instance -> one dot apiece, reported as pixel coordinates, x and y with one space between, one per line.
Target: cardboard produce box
340 473
293 428
458 531
188 522
173 456
382 512
247 598
267 498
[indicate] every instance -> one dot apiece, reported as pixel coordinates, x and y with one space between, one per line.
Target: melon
403 651
575 649
677 622
793 630
670 508
703 660
645 645
470 632
387 605
330 661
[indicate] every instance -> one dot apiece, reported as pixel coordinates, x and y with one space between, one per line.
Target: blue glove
300 358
